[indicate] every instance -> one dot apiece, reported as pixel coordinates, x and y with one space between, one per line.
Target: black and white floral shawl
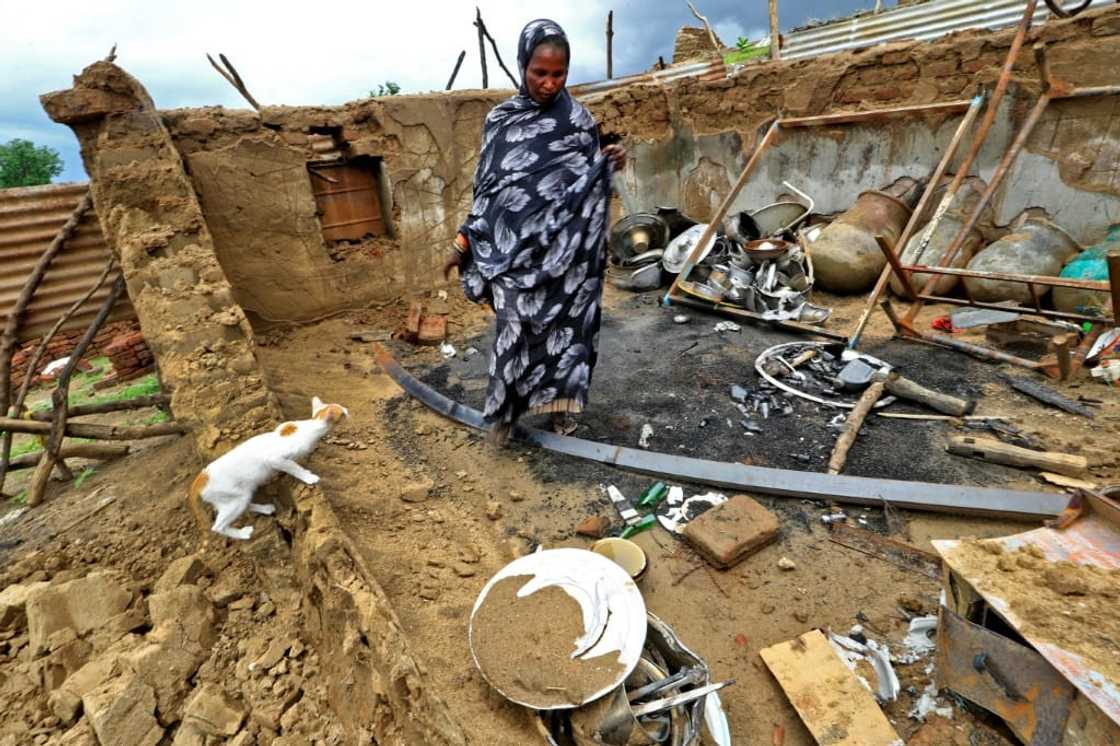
537 232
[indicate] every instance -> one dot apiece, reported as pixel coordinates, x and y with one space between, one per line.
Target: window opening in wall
349 198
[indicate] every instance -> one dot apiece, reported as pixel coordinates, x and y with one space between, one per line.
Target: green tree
22 163
388 88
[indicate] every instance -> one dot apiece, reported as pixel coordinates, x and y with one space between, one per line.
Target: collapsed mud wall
255 185
151 219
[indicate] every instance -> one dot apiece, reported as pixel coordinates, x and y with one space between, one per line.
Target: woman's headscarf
540 192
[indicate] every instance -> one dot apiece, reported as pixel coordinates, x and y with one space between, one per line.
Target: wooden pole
997 452
610 45
84 410
494 46
60 397
852 426
775 33
707 26
96 432
98 451
230 74
455 72
16 409
482 48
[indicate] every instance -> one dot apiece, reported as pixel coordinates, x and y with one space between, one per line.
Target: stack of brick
63 343
130 356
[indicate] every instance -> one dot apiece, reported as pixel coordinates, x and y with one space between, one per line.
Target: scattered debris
681 318
996 452
919 641
826 694
1062 480
647 433
676 512
447 351
1049 396
595 526
928 703
727 326
785 563
879 656
881 547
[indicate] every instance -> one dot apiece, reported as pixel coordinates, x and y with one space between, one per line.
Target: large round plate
614 614
680 247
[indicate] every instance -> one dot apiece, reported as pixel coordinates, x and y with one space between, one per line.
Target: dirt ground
435 513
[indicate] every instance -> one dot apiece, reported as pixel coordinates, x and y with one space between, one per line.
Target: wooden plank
989 449
833 704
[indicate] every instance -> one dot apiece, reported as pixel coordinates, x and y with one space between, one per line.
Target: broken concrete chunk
122 713
183 571
213 713
83 605
732 531
418 490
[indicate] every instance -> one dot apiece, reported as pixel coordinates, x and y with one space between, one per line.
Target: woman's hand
455 255
617 156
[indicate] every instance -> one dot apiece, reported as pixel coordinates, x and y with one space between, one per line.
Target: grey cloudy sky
326 53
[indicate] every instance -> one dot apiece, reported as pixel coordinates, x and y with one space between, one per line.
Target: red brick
731 532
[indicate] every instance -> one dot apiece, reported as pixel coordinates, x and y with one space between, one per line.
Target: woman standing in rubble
534 244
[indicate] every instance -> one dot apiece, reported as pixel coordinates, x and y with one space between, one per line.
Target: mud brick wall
151 218
63 343
130 356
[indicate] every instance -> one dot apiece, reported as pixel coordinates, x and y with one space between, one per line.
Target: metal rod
1057 282
916 216
981 135
895 265
713 224
955 499
1045 313
850 117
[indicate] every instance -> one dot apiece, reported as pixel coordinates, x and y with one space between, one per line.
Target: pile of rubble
99 658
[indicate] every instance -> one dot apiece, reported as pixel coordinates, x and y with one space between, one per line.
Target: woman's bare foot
498 434
564 423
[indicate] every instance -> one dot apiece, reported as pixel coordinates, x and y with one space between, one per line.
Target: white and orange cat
229 482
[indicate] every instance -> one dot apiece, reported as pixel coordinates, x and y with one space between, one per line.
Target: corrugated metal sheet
29 219
926 21
713 70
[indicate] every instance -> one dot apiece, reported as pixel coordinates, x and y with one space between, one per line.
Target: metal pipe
895 264
1057 282
1045 313
916 216
713 224
981 135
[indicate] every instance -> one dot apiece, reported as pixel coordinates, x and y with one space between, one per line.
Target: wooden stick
96 432
851 428
482 47
61 396
775 35
10 335
610 45
83 410
940 417
494 45
906 389
707 26
455 72
99 451
988 449
234 79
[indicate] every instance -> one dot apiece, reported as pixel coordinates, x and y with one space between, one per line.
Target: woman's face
547 73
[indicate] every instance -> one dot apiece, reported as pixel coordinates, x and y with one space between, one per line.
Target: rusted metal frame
904 328
854 117
1061 315
1057 282
355 221
724 308
895 265
713 225
915 218
348 190
1114 281
978 142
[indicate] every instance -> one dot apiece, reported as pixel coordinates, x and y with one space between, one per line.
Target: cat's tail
194 500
